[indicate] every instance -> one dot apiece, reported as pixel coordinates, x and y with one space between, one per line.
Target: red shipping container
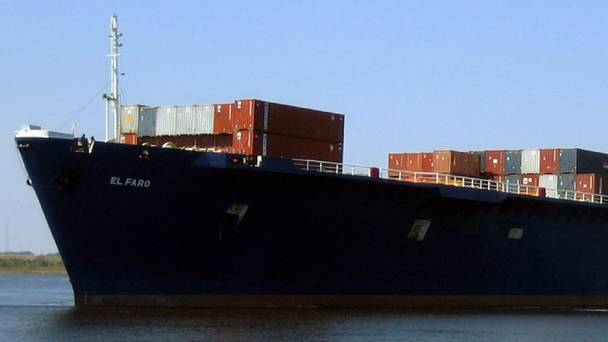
265 144
495 162
220 142
427 162
222 119
592 183
531 180
456 163
549 161
414 162
129 138
395 161
282 119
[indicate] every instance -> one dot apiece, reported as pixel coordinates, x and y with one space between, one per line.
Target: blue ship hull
146 226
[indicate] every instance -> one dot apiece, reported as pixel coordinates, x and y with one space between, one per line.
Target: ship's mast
113 99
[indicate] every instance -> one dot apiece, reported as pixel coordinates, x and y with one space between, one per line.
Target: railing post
399 175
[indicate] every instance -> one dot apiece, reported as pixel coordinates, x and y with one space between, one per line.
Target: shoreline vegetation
29 263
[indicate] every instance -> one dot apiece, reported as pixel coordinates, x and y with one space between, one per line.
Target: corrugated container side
245 114
456 163
591 162
549 182
567 160
512 179
294 147
184 120
301 122
494 162
513 162
427 162
165 120
204 119
413 162
530 162
129 118
222 119
408 162
243 142
549 161
288 120
482 160
147 122
566 182
260 143
592 183
394 161
531 180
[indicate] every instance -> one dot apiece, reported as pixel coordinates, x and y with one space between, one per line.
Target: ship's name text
133 182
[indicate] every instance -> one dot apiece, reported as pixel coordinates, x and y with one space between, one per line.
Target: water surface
36 307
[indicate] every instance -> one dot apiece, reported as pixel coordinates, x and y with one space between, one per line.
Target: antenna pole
113 99
107 118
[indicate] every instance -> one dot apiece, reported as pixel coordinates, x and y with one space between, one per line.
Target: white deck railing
445 179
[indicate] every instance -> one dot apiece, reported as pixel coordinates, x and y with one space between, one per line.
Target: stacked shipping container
557 170
253 127
448 162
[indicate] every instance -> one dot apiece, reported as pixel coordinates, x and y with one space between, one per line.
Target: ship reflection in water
41 308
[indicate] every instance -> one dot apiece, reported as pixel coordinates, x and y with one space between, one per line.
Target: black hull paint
306 239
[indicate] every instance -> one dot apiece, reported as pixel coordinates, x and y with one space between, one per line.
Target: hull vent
419 229
516 233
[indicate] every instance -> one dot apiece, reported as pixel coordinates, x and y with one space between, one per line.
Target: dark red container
222 119
265 144
495 162
549 161
592 183
282 119
531 180
129 138
374 172
456 163
219 142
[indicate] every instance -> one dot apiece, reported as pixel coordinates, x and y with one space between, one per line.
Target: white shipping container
203 119
184 120
165 120
530 162
549 182
129 118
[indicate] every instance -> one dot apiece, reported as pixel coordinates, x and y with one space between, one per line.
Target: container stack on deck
556 170
250 127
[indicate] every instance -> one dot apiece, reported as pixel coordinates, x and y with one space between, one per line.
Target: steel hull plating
205 232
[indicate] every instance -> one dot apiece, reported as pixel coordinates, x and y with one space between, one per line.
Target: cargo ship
246 216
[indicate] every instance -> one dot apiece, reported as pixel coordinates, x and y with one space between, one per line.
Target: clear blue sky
409 75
